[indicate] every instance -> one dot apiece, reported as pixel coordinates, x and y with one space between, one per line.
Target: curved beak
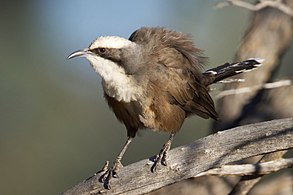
79 53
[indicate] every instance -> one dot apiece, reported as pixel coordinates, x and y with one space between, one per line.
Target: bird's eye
102 50
99 50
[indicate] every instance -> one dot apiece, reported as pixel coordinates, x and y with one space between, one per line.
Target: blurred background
55 127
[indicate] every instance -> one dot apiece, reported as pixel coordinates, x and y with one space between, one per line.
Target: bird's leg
162 156
107 173
117 164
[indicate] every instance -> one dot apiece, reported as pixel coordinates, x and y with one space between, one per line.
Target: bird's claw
107 174
161 158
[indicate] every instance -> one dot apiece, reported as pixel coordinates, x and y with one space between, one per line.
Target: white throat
116 82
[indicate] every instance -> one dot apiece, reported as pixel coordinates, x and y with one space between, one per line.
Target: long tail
227 70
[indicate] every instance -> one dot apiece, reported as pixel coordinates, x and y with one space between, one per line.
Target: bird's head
115 60
110 54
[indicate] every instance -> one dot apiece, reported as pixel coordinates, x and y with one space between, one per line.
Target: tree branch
250 169
189 160
265 39
276 84
268 37
247 182
261 5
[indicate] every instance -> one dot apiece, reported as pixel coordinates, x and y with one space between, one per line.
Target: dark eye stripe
99 50
102 50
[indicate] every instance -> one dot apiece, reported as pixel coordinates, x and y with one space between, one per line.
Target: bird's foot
161 158
100 172
107 173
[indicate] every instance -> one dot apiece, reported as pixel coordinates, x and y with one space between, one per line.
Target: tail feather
227 70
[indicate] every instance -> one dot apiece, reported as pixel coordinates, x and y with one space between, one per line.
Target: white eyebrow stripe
111 42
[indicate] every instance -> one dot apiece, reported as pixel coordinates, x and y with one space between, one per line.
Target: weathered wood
250 169
247 182
189 160
269 36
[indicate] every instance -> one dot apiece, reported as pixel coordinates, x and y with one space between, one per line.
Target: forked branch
189 160
278 4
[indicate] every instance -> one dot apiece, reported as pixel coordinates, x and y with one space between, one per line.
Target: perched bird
154 80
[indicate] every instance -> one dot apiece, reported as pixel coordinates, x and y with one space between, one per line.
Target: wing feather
176 69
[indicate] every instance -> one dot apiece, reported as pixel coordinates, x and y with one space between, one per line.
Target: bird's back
174 89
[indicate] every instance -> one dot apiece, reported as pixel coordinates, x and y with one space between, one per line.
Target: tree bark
269 37
189 160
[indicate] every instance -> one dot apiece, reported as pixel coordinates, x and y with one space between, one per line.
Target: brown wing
176 69
184 86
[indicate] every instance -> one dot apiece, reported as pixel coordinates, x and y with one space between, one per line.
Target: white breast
116 83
